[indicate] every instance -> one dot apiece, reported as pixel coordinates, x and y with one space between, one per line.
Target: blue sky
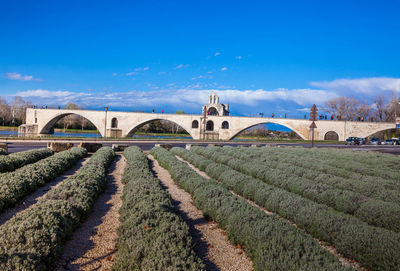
259 56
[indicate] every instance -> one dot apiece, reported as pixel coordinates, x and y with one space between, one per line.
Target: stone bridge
211 127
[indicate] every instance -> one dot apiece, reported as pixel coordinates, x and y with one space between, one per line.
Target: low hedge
375 212
321 171
366 166
33 238
152 236
271 242
19 159
3 152
20 183
374 248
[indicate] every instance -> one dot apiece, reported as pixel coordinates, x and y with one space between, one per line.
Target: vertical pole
312 137
105 122
204 122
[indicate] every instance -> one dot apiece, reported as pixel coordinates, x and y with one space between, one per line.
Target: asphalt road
17 146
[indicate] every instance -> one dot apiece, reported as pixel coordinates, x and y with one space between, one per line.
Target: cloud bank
369 86
190 99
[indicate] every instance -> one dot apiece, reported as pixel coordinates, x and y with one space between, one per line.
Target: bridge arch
331 135
48 125
133 129
371 133
238 131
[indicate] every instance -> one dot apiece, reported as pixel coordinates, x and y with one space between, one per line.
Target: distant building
214 108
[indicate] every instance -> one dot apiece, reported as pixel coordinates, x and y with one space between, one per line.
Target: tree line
352 109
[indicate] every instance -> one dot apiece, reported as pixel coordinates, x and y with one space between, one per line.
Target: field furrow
345 261
152 235
93 245
374 212
14 186
344 232
40 193
210 241
33 238
271 242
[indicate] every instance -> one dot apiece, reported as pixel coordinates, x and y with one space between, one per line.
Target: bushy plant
33 238
19 159
152 236
3 152
349 202
270 241
20 183
319 220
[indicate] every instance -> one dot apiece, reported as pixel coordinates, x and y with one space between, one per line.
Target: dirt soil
32 198
345 261
93 245
211 243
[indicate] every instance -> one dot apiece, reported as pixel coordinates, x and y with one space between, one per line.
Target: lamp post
105 121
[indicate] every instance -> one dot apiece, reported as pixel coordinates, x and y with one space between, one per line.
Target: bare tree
5 112
69 120
344 108
18 110
363 111
379 112
392 109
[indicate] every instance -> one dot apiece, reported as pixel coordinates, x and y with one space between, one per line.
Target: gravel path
32 198
93 245
345 261
211 243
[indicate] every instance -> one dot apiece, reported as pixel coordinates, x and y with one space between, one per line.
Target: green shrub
344 201
19 159
152 236
270 241
20 183
319 220
33 238
3 152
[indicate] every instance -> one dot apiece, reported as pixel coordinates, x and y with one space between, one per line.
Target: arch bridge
212 127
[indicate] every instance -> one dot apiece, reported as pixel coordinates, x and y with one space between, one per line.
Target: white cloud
181 66
305 109
137 70
41 93
192 96
130 73
238 57
202 77
217 54
369 86
114 74
224 69
20 77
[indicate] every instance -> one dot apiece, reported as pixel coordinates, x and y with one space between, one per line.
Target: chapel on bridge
214 108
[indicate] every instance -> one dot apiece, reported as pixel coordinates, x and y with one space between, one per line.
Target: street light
105 121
